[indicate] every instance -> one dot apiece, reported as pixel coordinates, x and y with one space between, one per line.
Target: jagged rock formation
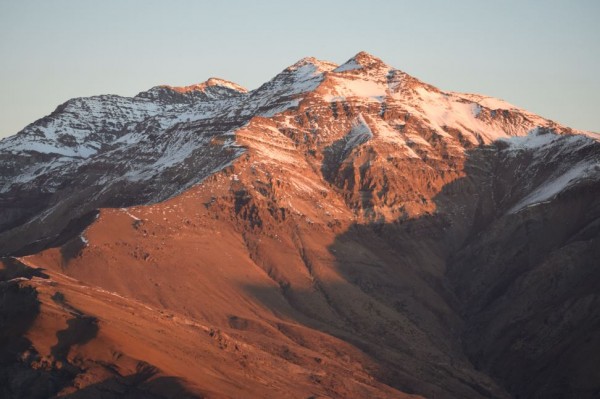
341 231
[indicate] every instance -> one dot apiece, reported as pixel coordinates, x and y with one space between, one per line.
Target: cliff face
341 231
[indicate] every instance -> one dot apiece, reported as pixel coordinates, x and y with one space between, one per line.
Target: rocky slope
341 231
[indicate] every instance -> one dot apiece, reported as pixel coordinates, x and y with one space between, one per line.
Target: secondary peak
362 60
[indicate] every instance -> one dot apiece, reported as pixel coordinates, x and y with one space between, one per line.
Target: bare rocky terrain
340 232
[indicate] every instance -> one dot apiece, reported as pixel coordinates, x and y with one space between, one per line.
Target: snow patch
359 134
130 215
534 139
348 66
367 89
549 189
445 110
487 102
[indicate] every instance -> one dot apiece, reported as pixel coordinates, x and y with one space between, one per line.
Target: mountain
342 231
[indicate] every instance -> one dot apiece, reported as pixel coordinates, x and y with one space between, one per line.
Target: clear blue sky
542 55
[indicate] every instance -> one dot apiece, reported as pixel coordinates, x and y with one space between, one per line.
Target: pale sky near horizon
542 55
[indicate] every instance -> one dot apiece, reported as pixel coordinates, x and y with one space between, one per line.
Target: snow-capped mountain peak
211 82
311 62
211 89
363 60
